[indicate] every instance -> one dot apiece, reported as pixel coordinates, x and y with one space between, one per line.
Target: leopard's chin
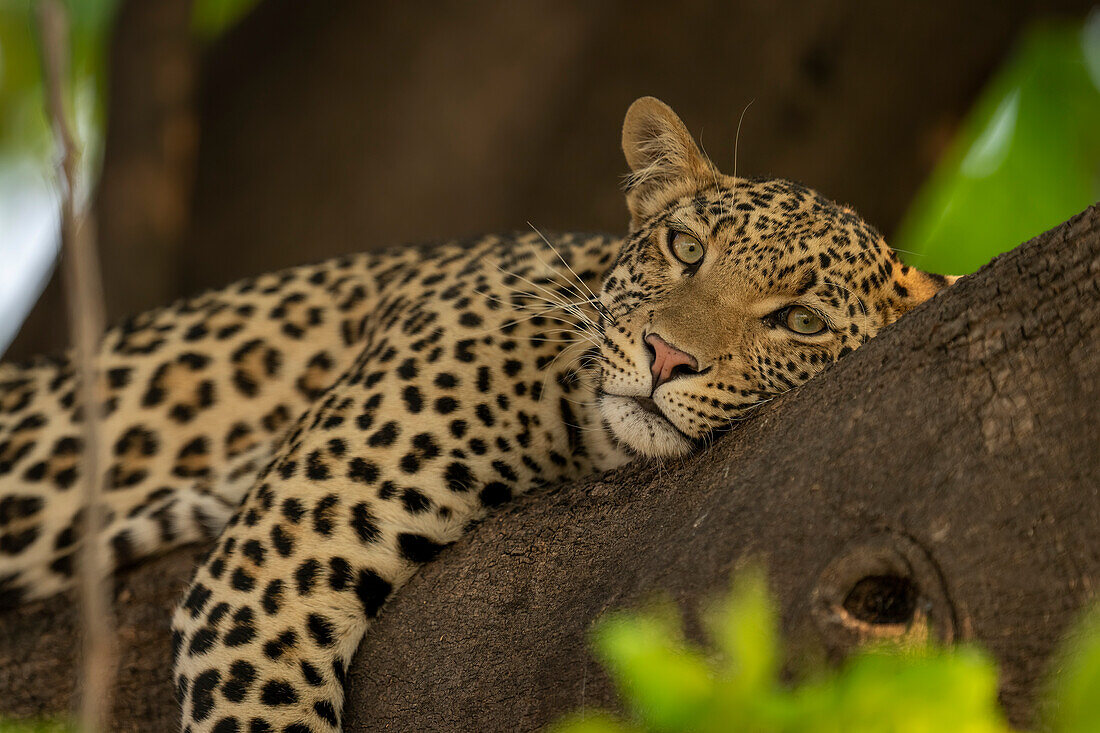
640 426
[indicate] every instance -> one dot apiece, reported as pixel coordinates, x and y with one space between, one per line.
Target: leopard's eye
801 319
685 248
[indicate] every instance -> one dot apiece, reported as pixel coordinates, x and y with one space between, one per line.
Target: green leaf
673 686
666 682
211 18
36 726
592 723
744 629
923 689
1026 158
1075 705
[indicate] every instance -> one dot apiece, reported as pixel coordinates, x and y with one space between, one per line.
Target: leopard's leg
269 650
361 492
274 615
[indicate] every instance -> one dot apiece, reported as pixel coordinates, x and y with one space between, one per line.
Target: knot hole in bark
886 587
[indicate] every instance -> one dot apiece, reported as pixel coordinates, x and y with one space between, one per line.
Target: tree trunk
949 468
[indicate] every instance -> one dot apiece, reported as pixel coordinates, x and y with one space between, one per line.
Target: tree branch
85 300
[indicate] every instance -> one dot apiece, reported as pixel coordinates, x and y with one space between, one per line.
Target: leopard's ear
662 156
911 287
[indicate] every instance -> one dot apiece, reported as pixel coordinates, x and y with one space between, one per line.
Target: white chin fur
641 431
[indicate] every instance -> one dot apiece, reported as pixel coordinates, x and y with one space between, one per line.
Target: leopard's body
339 424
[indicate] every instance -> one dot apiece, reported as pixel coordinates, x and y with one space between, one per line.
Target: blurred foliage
1026 158
36 726
670 685
209 18
1074 705
28 202
24 129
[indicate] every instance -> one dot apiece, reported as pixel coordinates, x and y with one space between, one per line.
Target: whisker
574 307
582 328
841 287
737 135
549 305
550 366
595 298
578 283
549 293
713 170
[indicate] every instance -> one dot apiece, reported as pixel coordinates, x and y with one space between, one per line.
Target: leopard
329 429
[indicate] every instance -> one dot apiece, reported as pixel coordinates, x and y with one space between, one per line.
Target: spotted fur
338 425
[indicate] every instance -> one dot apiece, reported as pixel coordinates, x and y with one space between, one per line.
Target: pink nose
668 361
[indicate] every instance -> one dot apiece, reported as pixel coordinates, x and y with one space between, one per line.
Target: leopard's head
729 291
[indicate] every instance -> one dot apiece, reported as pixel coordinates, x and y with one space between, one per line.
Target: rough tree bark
948 468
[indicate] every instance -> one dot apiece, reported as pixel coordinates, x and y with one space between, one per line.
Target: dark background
316 128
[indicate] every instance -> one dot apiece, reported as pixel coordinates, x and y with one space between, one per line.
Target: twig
80 269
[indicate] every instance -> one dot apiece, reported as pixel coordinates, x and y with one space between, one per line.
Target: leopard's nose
668 361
